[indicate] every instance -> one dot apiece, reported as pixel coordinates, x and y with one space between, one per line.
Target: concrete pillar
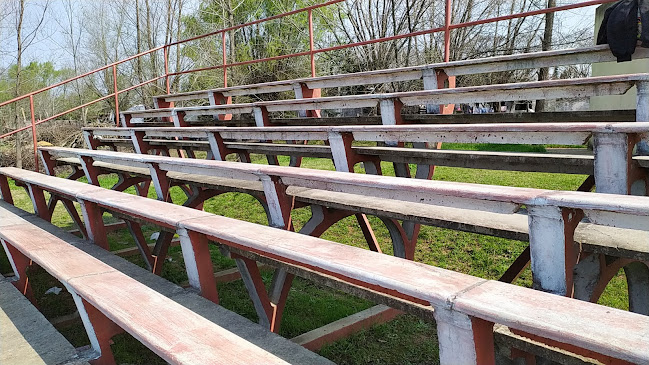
611 162
463 340
339 151
198 263
429 77
642 114
548 249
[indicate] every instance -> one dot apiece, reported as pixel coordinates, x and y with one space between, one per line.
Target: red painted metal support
116 91
311 45
166 56
447 32
5 190
104 329
21 263
34 138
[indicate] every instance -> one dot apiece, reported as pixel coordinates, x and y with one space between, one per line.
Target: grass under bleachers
406 340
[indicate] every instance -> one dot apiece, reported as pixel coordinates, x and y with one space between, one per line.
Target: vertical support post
166 56
37 196
261 116
116 93
464 340
89 139
48 162
642 114
34 138
225 61
279 204
447 32
255 286
198 263
98 327
139 145
302 91
5 190
341 151
19 263
552 254
612 162
160 182
94 221
217 146
429 76
216 98
91 171
311 46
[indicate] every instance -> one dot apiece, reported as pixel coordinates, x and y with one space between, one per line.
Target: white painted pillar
259 117
547 249
429 77
297 88
276 215
11 259
189 257
339 151
611 165
85 319
642 114
214 146
461 342
388 112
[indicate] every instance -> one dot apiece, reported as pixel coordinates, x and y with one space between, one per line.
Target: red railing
447 28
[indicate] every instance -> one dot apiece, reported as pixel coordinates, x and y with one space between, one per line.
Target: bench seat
618 242
552 89
610 332
584 55
26 336
188 316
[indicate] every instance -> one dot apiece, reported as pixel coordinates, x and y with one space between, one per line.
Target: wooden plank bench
390 104
106 297
612 169
434 76
608 116
465 307
354 194
26 336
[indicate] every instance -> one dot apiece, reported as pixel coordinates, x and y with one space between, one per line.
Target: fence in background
446 29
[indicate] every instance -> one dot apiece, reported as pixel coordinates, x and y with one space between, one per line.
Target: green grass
406 340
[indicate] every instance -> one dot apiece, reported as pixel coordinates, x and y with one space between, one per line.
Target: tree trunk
19 49
546 45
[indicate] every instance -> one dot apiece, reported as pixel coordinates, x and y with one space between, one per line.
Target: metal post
34 139
311 47
447 32
166 56
116 95
225 62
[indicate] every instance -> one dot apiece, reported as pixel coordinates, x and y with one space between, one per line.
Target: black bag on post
620 28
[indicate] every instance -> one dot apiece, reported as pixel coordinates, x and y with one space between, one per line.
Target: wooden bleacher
447 206
576 239
433 75
465 307
110 292
390 104
610 176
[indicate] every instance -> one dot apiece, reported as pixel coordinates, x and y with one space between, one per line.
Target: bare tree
546 45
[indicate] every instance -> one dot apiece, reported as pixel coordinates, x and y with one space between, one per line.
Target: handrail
447 28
